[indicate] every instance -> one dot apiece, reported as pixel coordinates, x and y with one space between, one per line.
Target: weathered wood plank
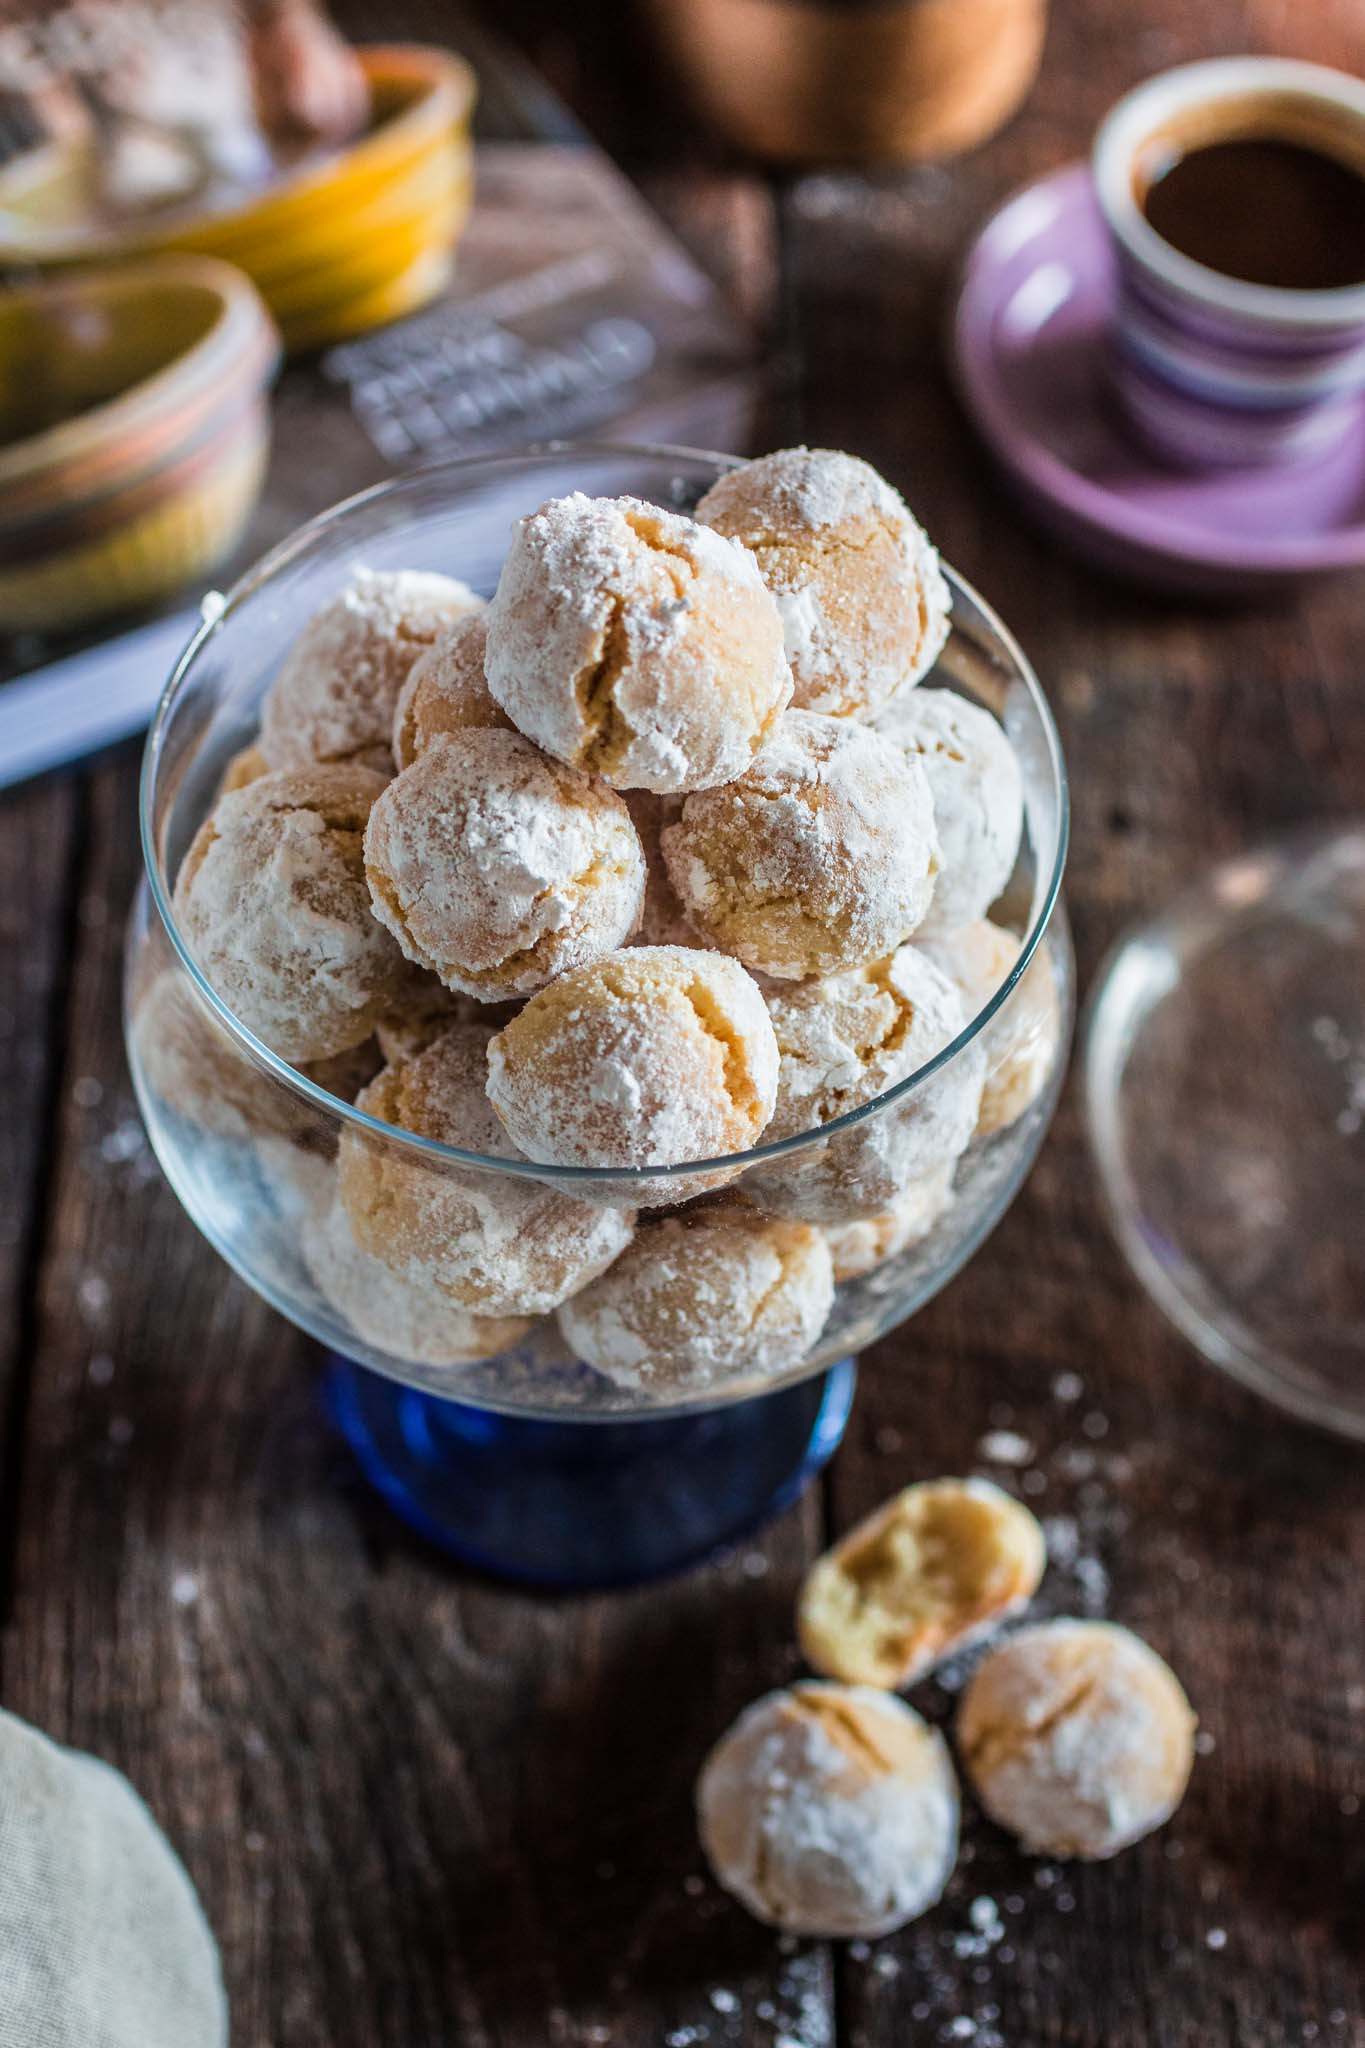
39 832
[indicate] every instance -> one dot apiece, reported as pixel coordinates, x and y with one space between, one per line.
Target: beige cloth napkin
102 1941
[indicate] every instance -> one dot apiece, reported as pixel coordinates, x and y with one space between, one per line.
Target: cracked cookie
863 601
821 856
631 641
978 794
704 1298
651 1057
844 1040
272 902
446 691
1019 1045
334 698
1077 1738
830 1810
499 1244
498 868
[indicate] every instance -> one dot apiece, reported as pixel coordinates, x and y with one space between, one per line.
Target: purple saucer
1028 347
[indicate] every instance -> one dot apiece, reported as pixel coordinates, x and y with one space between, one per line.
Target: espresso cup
1211 370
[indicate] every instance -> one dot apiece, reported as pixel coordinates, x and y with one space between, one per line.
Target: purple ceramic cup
1213 372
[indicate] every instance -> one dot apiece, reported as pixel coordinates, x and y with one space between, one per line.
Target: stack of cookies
660 855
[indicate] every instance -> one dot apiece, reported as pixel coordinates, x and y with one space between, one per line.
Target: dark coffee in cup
1259 207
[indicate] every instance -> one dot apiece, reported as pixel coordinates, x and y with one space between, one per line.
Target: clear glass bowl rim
432 1150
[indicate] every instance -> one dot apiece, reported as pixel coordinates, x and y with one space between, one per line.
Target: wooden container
884 81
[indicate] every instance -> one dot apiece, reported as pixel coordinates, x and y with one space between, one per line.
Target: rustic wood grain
422 1810
39 839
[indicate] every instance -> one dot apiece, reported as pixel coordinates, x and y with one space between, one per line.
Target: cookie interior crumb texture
917 1580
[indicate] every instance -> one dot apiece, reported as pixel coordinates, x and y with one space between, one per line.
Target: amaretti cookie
495 1243
334 698
821 856
861 1245
446 691
654 1056
1020 1042
272 901
708 1295
918 1579
635 643
198 1072
864 604
248 764
830 1810
401 1311
498 868
844 1040
1077 1738
978 794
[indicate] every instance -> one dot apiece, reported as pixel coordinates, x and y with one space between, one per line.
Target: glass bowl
251 1145
1225 1092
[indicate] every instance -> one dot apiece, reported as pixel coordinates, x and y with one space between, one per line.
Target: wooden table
424 1810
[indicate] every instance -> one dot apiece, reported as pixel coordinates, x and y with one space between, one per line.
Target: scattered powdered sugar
1005 1447
92 1295
1342 1050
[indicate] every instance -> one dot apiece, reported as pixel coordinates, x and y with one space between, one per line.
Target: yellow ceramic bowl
343 242
133 434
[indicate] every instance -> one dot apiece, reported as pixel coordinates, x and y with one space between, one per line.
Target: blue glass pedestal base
586 1504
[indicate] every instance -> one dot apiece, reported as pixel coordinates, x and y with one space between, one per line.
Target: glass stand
586 1504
